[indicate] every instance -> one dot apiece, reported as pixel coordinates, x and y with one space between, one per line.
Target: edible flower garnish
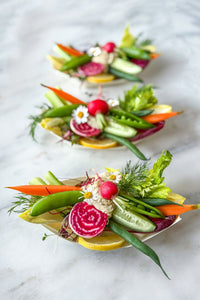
80 114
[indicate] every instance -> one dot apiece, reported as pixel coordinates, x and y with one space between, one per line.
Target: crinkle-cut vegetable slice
83 129
87 221
91 68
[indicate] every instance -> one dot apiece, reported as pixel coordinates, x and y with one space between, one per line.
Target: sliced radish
97 106
108 190
91 69
142 133
140 62
87 221
83 129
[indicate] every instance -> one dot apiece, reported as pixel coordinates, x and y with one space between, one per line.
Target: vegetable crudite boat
102 124
106 211
108 63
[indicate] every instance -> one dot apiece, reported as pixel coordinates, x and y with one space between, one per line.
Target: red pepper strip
65 96
70 50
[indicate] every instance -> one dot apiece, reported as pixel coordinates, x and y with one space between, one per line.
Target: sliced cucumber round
133 220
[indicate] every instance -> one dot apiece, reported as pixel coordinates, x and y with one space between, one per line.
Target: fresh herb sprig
22 203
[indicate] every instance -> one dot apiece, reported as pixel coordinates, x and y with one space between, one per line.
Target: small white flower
113 102
94 51
90 194
80 114
114 176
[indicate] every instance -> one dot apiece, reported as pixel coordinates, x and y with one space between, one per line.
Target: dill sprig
132 177
37 119
22 203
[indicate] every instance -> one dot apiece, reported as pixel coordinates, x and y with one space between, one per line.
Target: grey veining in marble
56 269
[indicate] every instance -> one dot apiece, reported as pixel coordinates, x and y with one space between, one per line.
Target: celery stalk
62 53
51 179
37 181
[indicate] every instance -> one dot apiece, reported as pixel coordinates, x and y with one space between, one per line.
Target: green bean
61 111
55 201
158 201
120 74
135 242
76 62
142 113
129 119
134 52
127 144
140 206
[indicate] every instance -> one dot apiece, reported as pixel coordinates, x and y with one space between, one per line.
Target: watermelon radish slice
91 69
140 62
87 221
83 129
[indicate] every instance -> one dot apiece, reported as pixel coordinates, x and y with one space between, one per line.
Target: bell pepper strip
70 50
129 119
135 242
169 210
55 201
43 190
160 117
127 144
65 96
76 62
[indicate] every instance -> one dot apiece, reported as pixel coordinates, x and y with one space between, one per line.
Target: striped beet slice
83 129
87 221
91 69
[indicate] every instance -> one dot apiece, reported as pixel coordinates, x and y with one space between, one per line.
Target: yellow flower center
112 177
88 195
80 114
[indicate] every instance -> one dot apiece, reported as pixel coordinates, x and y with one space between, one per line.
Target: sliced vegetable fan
106 211
104 124
103 64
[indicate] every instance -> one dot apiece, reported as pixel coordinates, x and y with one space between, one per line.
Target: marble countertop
56 269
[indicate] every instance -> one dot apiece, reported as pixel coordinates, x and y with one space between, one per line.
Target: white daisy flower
113 102
114 176
90 194
80 114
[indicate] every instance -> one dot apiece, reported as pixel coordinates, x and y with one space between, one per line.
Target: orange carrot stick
172 209
160 117
43 190
70 50
64 95
155 55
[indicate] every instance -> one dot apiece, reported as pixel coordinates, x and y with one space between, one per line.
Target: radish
109 47
83 129
91 69
87 221
108 190
97 106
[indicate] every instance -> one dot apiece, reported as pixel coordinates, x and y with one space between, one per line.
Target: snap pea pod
120 74
129 119
134 52
127 144
55 201
135 242
142 113
158 201
61 111
76 62
139 206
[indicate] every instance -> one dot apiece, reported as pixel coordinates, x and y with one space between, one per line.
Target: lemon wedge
105 242
97 144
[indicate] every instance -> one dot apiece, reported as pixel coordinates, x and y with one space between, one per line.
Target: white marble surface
56 269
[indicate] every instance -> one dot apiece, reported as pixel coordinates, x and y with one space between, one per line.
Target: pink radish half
97 106
91 69
87 221
108 190
109 47
83 129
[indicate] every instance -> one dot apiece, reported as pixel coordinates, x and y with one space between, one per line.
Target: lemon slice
176 198
105 242
97 144
100 78
161 109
